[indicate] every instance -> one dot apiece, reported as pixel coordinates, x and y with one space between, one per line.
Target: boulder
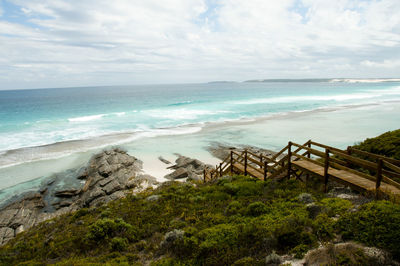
305 198
171 237
178 174
67 193
273 259
112 187
6 234
153 198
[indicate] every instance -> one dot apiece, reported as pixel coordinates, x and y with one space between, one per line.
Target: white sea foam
86 118
182 113
364 80
120 114
367 94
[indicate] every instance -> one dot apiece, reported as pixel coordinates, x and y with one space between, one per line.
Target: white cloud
59 43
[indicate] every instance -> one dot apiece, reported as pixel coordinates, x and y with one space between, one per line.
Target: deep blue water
45 116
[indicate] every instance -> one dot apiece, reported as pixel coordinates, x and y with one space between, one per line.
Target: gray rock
313 210
105 181
153 198
112 187
6 234
67 193
164 160
305 198
95 193
116 195
7 216
178 174
171 237
273 259
108 175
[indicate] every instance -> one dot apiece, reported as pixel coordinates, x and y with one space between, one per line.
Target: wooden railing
378 169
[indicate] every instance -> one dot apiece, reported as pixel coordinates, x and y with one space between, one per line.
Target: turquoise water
52 130
39 117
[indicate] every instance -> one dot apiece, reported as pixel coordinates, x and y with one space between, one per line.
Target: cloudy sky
58 43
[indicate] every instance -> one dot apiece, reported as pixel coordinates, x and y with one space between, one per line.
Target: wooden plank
311 150
326 146
251 172
342 176
363 163
391 166
374 156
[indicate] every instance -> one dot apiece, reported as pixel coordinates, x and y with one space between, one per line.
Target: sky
60 43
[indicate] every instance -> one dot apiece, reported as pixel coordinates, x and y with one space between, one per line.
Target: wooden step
250 171
355 181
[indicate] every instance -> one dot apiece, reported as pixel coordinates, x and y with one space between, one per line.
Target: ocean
43 131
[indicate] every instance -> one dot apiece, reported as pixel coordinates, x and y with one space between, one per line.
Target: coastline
339 126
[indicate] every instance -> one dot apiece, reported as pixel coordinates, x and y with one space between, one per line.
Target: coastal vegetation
236 220
387 144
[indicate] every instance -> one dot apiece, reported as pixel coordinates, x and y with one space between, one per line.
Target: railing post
265 170
231 162
220 169
326 175
289 158
245 162
308 152
378 176
204 172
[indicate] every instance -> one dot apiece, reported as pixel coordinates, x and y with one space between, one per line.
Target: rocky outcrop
186 167
222 151
108 176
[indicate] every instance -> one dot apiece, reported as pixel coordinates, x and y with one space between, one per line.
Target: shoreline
342 127
58 150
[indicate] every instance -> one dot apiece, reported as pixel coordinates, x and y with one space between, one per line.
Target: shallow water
339 115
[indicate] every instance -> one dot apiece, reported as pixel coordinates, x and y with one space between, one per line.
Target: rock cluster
222 151
186 167
109 175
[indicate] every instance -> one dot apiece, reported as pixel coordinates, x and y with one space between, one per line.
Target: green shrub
387 144
375 224
245 261
233 208
80 213
105 228
218 244
324 227
256 209
335 206
119 243
299 251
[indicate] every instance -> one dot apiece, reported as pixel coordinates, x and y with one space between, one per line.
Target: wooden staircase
362 171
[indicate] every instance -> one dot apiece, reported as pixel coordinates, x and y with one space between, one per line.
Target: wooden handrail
261 166
273 158
361 162
374 156
391 166
325 146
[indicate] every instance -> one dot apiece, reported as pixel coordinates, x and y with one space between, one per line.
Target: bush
375 224
119 243
335 206
233 208
387 144
105 228
256 209
244 262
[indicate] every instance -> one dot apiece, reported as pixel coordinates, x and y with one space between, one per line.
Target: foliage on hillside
387 144
236 220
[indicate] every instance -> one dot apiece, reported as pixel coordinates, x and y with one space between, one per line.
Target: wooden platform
347 178
250 171
342 166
